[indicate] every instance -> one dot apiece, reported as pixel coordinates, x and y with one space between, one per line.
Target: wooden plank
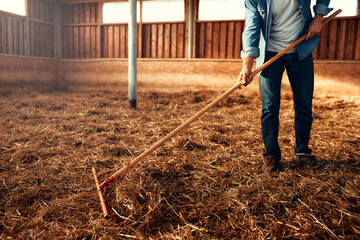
116 41
173 40
242 30
341 40
59 34
31 28
21 31
57 31
123 41
180 41
110 41
105 41
195 29
237 44
32 39
36 9
167 41
41 10
82 30
350 41
81 38
230 41
323 42
216 38
2 32
76 37
15 28
223 30
42 31
68 34
153 40
98 40
315 53
71 41
147 40
29 5
201 44
208 39
52 41
50 50
44 22
93 31
65 43
45 42
126 42
87 31
332 39
160 48
186 28
139 40
357 48
9 30
140 33
46 10
50 14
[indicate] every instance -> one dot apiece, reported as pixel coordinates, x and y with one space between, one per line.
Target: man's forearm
319 17
248 62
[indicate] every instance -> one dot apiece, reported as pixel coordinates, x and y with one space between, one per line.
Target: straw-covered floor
205 183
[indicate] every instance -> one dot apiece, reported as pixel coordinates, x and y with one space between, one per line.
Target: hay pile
204 183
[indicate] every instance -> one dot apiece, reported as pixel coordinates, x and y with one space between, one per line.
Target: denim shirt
258 23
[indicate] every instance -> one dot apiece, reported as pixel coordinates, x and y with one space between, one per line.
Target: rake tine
101 196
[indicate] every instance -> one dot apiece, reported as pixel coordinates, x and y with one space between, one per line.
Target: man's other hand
314 27
245 77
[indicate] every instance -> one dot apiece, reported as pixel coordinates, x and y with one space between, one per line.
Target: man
270 26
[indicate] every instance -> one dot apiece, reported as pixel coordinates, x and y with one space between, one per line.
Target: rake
120 173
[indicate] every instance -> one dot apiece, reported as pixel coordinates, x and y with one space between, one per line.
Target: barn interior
64 95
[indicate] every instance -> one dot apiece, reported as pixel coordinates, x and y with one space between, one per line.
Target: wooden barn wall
221 39
81 30
78 32
85 36
30 35
340 40
12 34
42 28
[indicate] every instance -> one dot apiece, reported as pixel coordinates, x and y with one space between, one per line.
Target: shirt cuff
322 9
250 52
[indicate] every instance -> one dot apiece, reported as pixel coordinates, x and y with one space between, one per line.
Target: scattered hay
206 182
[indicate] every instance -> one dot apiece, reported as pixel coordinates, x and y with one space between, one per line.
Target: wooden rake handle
122 171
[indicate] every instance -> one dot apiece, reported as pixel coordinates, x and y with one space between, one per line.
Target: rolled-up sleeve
251 34
322 7
250 52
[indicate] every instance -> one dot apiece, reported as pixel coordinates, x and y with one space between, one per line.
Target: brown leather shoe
310 160
270 165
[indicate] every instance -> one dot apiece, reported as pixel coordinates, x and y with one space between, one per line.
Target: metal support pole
132 26
191 29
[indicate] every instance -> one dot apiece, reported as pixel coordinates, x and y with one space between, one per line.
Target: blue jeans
301 77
